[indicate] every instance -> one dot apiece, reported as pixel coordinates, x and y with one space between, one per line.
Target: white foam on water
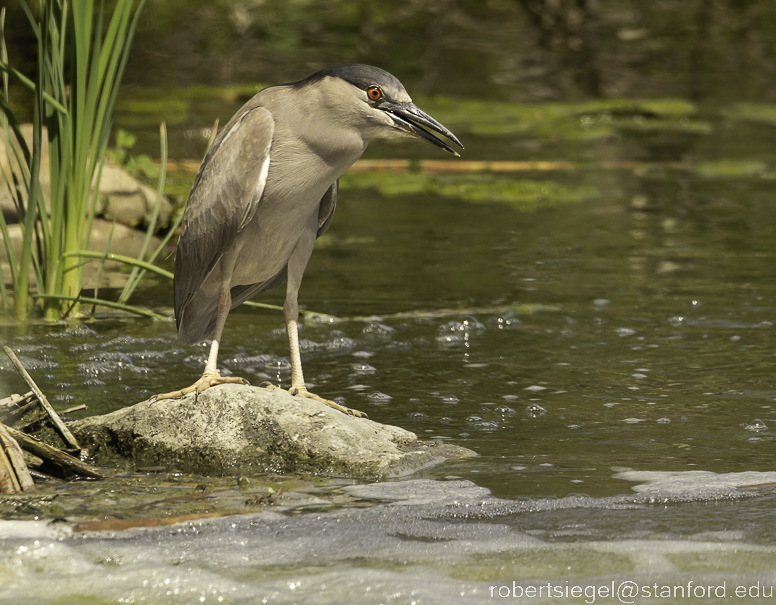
698 485
417 541
34 529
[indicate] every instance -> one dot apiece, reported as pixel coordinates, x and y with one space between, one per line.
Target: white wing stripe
250 209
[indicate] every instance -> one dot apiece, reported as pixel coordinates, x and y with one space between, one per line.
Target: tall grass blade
128 260
137 274
104 303
101 266
89 46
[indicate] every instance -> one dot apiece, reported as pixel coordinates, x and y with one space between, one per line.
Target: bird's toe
303 392
203 384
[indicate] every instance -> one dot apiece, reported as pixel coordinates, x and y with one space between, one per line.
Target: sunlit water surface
573 347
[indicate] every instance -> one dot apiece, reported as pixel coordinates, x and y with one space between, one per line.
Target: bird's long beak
410 118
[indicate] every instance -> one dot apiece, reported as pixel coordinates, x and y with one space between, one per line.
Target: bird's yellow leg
210 377
297 377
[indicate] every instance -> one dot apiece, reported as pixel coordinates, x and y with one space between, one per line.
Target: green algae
522 194
163 494
728 168
589 120
751 112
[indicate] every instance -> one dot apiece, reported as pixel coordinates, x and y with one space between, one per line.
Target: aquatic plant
82 53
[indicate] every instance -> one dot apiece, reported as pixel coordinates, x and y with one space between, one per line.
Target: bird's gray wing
326 209
325 212
223 199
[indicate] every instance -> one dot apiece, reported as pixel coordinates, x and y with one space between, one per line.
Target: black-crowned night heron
266 191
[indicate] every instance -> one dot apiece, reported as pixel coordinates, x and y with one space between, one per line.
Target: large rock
233 429
128 201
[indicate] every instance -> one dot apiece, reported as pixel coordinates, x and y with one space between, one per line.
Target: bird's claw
203 384
303 392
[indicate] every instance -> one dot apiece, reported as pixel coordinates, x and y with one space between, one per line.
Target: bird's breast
287 211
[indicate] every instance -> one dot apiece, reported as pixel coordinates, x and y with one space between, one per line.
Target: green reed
90 45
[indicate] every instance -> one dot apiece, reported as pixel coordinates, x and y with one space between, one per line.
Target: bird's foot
204 383
303 392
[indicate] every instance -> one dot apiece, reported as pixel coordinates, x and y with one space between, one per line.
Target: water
576 348
418 541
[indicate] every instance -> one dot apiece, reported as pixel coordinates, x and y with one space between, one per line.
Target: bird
267 189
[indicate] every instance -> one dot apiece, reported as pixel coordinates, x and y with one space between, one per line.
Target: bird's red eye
374 93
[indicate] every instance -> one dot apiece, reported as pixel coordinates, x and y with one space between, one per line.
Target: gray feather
225 196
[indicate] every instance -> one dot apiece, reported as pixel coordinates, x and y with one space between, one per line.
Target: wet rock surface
234 429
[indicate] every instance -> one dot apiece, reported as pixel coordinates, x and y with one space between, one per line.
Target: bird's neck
315 127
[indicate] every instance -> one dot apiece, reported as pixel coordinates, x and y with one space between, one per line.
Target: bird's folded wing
223 199
326 209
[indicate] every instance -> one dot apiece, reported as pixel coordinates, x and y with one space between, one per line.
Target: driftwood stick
76 408
9 484
53 455
16 459
14 407
41 416
15 414
15 400
64 432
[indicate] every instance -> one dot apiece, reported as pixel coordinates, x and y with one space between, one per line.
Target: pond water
600 334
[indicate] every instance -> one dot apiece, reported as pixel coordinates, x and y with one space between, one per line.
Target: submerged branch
55 456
